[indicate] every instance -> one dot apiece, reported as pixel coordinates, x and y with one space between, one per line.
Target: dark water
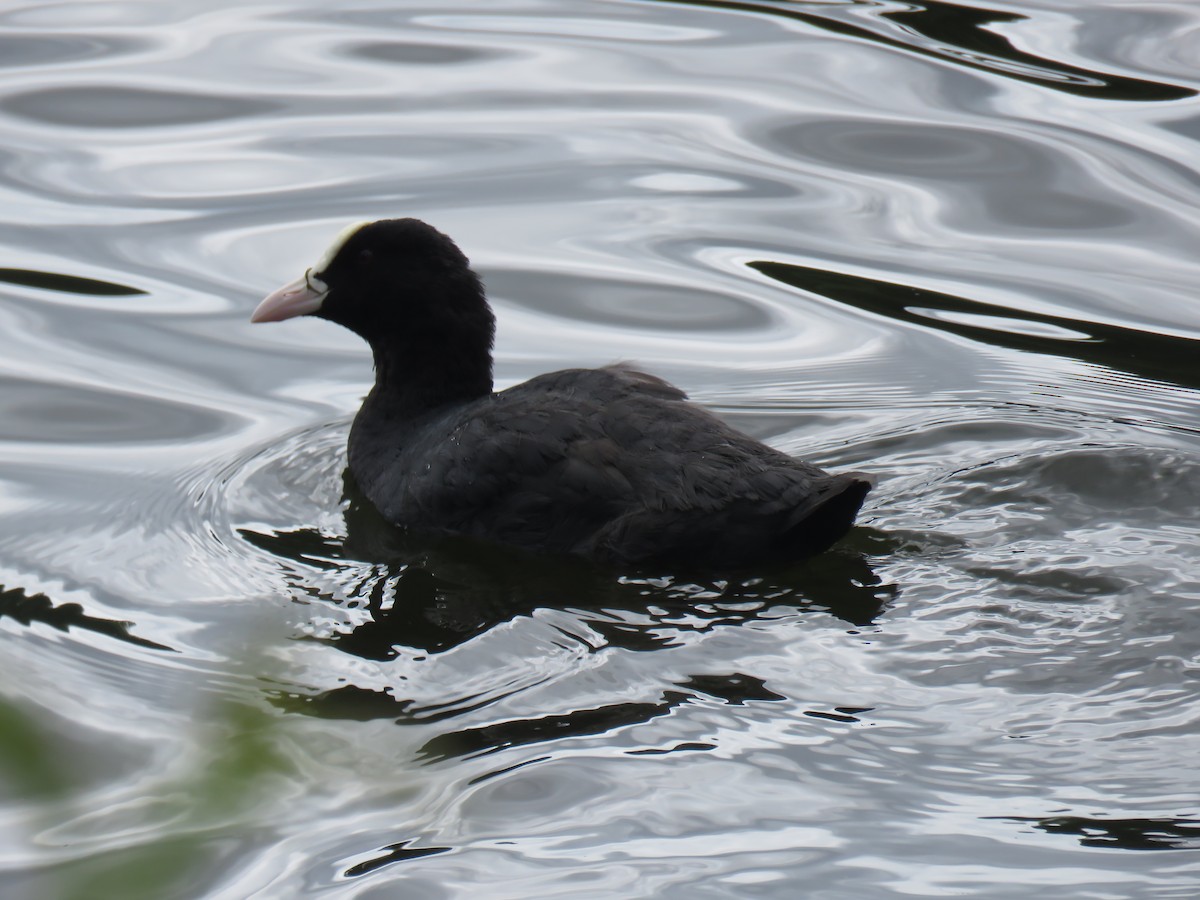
953 245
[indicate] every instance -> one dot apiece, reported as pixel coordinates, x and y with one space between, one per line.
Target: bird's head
384 279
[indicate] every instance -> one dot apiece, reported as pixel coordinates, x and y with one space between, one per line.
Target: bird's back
612 464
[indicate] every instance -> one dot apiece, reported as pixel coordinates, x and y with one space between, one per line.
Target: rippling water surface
954 245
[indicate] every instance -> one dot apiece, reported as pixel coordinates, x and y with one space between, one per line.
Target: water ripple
1162 357
30 50
950 244
962 35
118 106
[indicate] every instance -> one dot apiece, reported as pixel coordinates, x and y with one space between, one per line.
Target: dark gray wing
613 463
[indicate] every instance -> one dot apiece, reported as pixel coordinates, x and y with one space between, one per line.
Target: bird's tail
819 524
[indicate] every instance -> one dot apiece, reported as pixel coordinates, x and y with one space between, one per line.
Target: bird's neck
416 376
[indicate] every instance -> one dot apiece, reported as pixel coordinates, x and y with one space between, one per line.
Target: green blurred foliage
238 767
29 766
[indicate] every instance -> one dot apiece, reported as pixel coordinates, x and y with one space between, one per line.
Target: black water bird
611 464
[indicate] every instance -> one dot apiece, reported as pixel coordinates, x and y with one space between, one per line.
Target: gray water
953 245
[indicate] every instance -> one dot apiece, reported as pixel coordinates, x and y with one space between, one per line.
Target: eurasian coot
610 464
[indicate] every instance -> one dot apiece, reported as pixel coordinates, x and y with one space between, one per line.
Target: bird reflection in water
416 594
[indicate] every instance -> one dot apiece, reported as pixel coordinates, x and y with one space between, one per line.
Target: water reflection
964 35
19 606
1010 181
1161 357
37 411
412 597
392 853
413 54
433 594
49 50
628 304
115 106
1125 834
70 284
1014 633
511 733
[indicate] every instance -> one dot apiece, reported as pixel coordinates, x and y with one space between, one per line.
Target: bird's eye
365 256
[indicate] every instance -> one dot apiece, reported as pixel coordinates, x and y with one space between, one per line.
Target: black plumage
611 464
